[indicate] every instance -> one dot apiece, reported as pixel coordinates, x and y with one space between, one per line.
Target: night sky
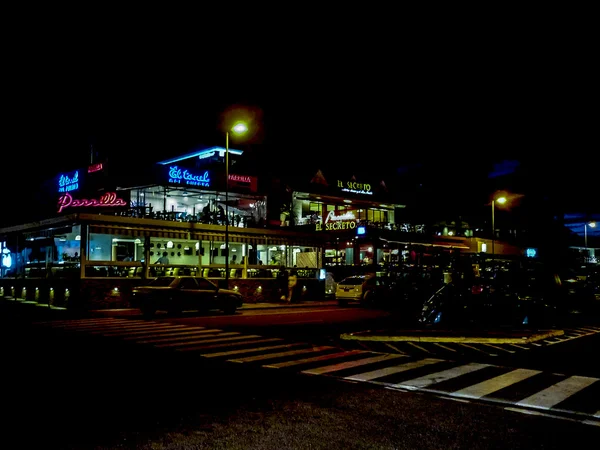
456 114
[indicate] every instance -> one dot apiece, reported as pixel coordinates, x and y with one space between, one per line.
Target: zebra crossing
529 391
469 349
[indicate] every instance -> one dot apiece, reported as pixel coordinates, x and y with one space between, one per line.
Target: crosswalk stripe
367 376
547 398
477 349
494 384
588 329
281 354
179 335
498 347
315 359
217 338
60 323
349 364
423 349
248 350
437 377
94 323
519 346
232 343
113 326
445 347
393 347
138 332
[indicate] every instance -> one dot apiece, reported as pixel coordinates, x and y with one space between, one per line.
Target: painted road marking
555 394
281 354
367 376
347 365
494 384
437 377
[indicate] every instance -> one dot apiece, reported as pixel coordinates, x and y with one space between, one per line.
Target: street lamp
585 225
237 129
500 200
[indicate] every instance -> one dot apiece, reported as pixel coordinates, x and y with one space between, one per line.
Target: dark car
496 305
175 294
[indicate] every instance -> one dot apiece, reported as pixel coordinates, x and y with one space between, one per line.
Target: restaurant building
104 230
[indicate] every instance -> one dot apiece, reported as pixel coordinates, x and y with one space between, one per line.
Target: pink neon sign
107 200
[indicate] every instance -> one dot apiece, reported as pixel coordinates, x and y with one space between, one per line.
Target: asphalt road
81 391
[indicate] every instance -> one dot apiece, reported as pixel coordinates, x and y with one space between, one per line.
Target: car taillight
477 289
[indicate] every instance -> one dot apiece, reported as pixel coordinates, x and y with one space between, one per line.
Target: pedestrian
164 259
291 285
282 282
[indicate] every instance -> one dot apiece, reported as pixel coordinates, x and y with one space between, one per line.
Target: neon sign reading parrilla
68 183
107 200
184 176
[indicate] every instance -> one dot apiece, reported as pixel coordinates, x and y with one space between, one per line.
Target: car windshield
160 281
352 281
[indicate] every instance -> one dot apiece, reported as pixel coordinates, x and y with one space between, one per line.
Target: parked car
367 290
175 294
500 305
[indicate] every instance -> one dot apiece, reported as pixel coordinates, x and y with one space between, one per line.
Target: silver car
363 289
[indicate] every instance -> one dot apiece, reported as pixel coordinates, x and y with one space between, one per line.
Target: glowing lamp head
239 128
501 200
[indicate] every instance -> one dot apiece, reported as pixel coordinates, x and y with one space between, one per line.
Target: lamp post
585 225
238 128
500 200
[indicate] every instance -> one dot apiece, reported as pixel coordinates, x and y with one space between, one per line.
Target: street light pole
238 128
500 200
227 209
493 230
585 225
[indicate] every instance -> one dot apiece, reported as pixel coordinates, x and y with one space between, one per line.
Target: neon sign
95 168
348 215
335 226
354 187
184 176
107 200
345 221
68 183
240 178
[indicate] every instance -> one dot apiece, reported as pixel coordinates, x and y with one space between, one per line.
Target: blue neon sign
184 176
68 183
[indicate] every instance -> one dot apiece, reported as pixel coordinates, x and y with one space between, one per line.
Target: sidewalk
465 336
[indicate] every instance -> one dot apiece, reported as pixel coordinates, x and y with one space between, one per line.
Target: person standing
291 285
282 281
164 259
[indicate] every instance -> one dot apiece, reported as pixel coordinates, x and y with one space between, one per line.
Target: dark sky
367 109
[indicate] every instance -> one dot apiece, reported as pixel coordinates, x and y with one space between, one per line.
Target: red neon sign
95 167
109 199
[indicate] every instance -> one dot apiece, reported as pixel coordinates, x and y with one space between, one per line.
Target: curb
482 339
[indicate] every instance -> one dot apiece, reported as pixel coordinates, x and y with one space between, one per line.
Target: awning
139 231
